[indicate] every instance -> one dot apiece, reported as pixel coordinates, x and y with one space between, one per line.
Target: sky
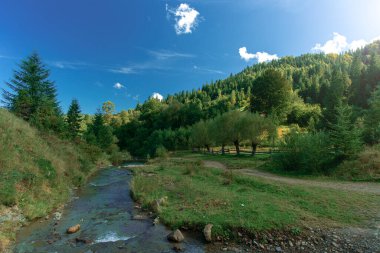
126 51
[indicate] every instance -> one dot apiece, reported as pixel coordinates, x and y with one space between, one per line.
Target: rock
224 249
278 249
82 240
156 221
176 236
73 229
290 244
57 216
207 232
335 244
178 248
139 217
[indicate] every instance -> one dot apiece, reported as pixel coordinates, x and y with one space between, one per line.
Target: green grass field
232 202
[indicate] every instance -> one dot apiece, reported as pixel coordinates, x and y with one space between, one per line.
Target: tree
345 135
200 135
108 109
271 93
32 96
257 128
372 119
100 134
219 127
235 128
74 118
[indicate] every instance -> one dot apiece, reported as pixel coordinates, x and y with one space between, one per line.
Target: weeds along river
104 210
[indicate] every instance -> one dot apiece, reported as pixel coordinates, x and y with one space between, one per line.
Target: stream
104 210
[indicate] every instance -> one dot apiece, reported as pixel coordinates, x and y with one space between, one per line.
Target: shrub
305 153
365 167
161 152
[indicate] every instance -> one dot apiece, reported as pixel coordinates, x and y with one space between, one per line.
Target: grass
198 195
36 171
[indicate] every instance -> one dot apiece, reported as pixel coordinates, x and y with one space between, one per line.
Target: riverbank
261 213
37 173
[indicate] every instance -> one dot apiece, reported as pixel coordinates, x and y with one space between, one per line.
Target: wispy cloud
339 44
186 17
118 86
207 70
122 70
260 56
68 64
167 54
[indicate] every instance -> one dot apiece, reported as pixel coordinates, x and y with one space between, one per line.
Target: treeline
308 91
32 96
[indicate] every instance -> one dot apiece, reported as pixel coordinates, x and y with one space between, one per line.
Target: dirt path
373 188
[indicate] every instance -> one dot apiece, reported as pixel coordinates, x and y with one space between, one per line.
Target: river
104 210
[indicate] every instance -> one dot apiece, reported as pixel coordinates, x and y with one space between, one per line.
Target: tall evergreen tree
74 118
32 96
345 135
372 119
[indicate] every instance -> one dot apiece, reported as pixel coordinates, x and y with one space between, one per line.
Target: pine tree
345 135
372 119
74 118
32 96
100 134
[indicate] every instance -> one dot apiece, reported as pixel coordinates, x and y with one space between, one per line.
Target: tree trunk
236 143
208 148
254 148
223 151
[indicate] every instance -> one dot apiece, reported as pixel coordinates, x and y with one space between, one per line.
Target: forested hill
312 75
318 84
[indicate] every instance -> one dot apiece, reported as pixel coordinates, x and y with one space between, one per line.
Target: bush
305 153
161 152
365 167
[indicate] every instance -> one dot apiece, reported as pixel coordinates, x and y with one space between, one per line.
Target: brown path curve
362 187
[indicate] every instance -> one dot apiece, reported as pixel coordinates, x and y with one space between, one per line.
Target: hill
37 171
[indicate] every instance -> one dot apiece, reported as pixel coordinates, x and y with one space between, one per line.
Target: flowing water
104 209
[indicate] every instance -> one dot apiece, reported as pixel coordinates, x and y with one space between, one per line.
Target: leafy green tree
257 128
372 119
271 92
108 109
345 135
32 96
219 126
200 135
74 118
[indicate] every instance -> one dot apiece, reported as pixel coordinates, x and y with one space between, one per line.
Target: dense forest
316 98
313 91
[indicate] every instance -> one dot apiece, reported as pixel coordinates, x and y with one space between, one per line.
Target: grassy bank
233 202
37 171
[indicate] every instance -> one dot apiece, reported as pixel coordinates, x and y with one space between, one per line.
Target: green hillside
37 172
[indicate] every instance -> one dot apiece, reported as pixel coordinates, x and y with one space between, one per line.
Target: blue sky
126 50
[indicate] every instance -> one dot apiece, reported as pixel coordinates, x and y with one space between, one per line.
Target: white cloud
166 54
123 70
118 86
260 56
157 96
185 16
339 44
334 46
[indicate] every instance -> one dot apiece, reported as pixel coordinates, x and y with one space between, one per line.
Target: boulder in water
73 229
176 236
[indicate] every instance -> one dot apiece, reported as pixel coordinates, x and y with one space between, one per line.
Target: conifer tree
32 96
74 118
345 134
